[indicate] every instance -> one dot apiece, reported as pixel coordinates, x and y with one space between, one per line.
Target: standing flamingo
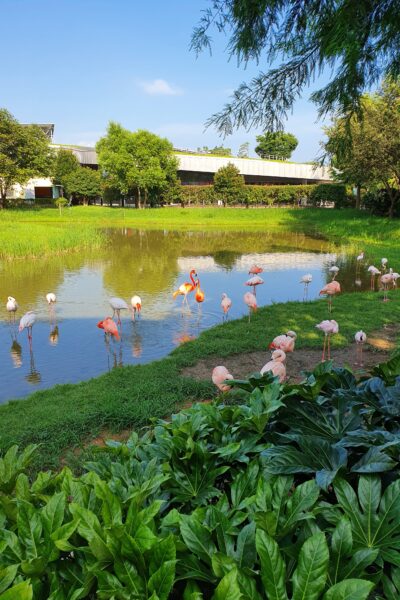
334 270
395 277
51 298
109 327
186 288
330 290
255 270
306 279
136 303
386 280
359 259
276 365
27 322
360 338
284 342
384 262
12 307
219 375
253 282
251 302
226 304
118 304
199 295
329 328
374 272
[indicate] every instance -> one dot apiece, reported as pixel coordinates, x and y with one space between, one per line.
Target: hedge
268 195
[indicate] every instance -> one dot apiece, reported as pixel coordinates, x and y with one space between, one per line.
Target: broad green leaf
61 535
374 461
246 546
273 568
163 551
228 588
360 560
111 507
342 544
192 591
29 528
222 564
311 572
197 538
349 589
162 580
21 591
7 576
128 575
53 513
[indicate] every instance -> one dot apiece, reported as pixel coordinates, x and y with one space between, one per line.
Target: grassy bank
30 232
67 415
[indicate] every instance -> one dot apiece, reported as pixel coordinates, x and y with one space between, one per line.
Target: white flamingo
51 298
374 272
27 322
12 306
306 280
226 304
334 270
360 338
118 304
136 303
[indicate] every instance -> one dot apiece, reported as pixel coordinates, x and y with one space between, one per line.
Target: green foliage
191 508
229 184
216 151
24 153
65 163
276 143
61 203
332 192
243 151
83 183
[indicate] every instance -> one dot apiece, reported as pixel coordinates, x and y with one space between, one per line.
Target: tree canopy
217 150
64 164
366 151
229 184
139 161
24 153
295 40
276 143
83 183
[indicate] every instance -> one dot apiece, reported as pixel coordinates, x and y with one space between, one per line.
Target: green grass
68 415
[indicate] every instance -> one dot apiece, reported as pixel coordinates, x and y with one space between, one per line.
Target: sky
81 63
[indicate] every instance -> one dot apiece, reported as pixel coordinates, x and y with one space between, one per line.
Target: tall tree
366 151
64 164
357 41
136 161
83 183
243 151
229 184
276 143
24 153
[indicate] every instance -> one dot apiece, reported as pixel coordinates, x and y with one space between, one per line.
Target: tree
83 183
366 151
229 184
276 143
139 162
24 153
243 151
218 150
358 40
64 164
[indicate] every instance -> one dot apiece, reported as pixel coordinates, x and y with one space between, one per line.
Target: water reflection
151 264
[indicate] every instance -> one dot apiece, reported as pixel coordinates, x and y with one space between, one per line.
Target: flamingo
226 304
329 328
359 259
186 288
199 295
395 277
284 342
251 302
306 279
334 270
255 270
360 338
109 327
276 365
51 298
219 375
374 272
386 279
136 303
118 304
330 290
12 306
27 322
253 282
384 262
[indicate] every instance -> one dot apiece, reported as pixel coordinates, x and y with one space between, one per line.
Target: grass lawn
69 415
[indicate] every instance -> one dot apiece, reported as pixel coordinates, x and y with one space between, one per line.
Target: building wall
28 191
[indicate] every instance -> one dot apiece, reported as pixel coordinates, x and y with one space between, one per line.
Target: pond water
68 347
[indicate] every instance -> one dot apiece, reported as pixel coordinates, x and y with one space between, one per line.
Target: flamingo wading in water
109 327
360 338
186 288
12 306
328 328
199 295
118 304
51 298
276 365
374 272
330 290
253 282
27 322
255 270
306 280
226 304
136 303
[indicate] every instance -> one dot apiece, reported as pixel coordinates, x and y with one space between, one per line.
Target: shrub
378 203
289 491
329 192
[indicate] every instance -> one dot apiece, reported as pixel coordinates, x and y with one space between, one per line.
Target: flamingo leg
119 317
329 346
323 348
329 304
361 356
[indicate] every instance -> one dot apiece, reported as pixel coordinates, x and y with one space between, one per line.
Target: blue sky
82 63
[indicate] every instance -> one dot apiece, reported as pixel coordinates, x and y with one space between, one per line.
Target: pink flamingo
253 282
255 270
226 304
330 290
360 338
284 342
251 302
185 288
374 272
386 280
219 376
109 326
27 322
276 365
328 328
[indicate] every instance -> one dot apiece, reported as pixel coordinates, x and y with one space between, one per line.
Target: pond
68 347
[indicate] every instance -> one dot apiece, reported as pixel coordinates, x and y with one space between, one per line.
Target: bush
378 203
289 491
329 192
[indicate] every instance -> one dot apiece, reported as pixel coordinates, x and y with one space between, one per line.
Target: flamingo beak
272 346
100 325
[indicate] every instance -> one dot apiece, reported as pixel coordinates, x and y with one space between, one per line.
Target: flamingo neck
191 278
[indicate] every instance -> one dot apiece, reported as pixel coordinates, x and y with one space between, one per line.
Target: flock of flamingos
281 345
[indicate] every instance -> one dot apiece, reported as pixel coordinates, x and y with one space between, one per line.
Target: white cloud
159 87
